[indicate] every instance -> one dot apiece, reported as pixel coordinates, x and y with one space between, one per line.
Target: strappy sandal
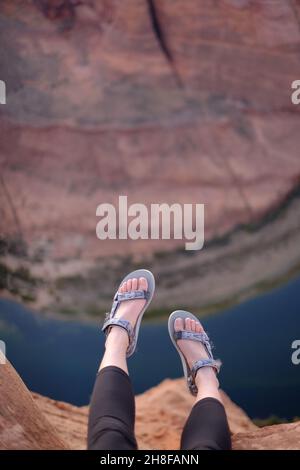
110 318
190 373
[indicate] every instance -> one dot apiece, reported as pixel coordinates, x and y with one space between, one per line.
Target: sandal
119 297
190 373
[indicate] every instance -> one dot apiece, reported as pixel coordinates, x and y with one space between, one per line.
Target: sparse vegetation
66 310
70 281
15 246
19 282
273 419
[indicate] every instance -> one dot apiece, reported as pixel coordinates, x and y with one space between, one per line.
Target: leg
112 412
112 409
207 426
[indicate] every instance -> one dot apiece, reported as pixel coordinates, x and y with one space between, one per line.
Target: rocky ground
31 421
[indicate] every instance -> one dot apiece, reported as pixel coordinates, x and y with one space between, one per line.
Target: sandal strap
193 336
110 318
191 385
209 362
123 296
134 294
118 322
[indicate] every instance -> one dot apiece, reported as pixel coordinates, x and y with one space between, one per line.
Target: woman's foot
205 379
128 310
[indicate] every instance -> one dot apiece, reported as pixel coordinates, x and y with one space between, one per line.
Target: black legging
112 416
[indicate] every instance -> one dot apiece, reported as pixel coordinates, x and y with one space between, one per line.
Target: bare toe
143 284
188 324
192 350
134 284
178 324
123 287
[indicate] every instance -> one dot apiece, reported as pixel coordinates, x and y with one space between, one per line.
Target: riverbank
246 262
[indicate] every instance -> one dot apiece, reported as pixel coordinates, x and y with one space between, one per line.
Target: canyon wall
162 100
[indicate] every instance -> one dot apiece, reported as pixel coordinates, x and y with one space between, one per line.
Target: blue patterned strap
118 322
209 362
119 297
134 294
122 296
193 336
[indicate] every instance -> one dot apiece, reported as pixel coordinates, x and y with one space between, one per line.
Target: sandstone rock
278 437
163 410
160 416
70 422
31 421
22 424
178 101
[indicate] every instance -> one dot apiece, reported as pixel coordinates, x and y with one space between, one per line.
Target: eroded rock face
31 421
279 437
22 423
162 412
163 101
70 422
160 416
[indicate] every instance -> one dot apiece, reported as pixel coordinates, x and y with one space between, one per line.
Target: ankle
206 376
207 384
117 339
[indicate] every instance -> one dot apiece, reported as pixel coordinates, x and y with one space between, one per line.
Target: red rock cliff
162 100
38 422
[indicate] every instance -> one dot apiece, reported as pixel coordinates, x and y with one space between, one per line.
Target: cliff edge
31 421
